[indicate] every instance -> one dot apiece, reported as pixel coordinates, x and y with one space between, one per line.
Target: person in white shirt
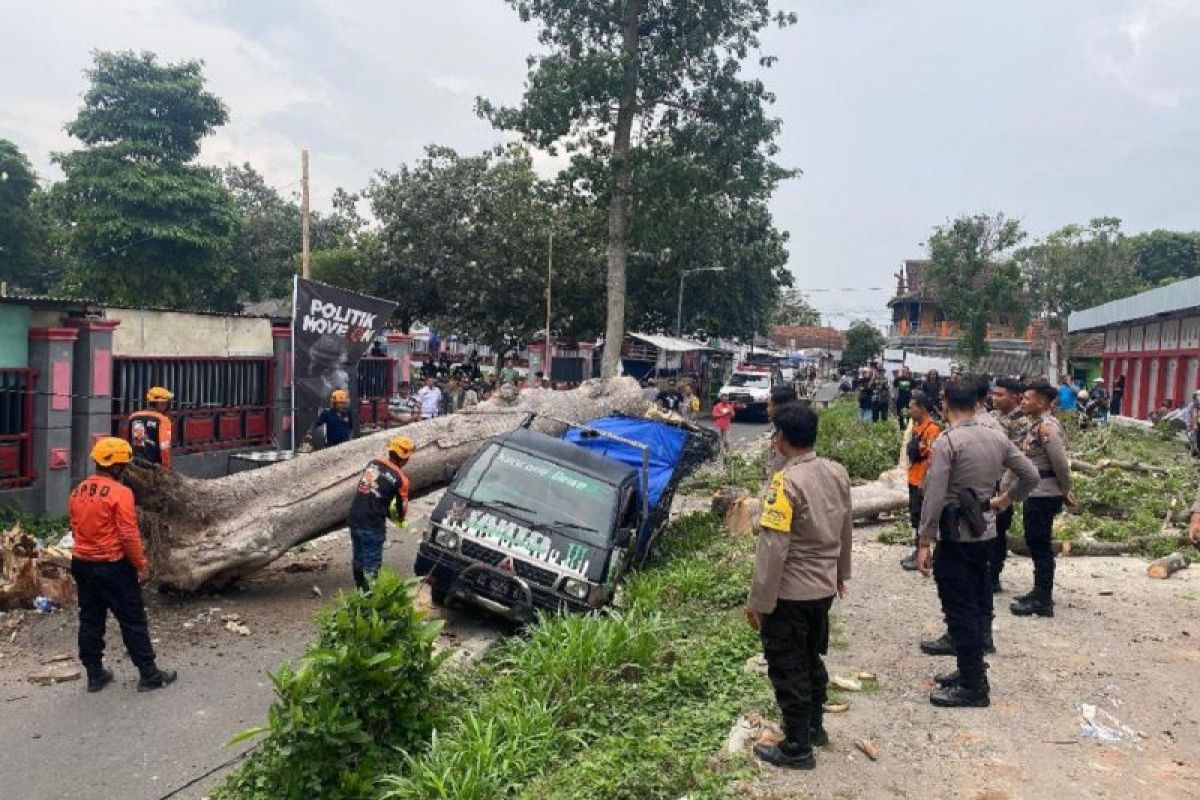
430 398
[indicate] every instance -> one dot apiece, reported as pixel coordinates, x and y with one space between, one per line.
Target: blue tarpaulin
666 444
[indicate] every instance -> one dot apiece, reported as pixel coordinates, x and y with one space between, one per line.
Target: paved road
59 742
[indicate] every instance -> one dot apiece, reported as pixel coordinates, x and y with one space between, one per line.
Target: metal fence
220 403
16 427
376 385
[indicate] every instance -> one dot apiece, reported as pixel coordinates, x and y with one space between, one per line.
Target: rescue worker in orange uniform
108 566
383 487
150 429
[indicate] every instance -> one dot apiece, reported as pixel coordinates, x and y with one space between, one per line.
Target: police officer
778 397
1007 395
1046 447
108 565
803 560
382 488
959 512
150 429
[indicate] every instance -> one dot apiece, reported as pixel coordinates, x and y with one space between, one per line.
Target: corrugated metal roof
670 343
1174 297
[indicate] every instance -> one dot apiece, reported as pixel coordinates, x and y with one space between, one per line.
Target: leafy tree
975 277
1164 256
147 227
794 308
864 343
462 242
1077 267
265 250
660 66
22 231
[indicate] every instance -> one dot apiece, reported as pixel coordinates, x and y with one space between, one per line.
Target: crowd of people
977 448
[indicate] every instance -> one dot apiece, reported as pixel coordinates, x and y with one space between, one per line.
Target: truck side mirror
623 537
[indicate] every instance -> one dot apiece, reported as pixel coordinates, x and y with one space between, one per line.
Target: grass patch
900 533
634 703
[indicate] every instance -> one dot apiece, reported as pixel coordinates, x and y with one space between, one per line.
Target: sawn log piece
889 493
1167 566
209 533
1096 547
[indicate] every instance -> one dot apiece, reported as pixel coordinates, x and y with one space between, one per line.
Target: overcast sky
900 114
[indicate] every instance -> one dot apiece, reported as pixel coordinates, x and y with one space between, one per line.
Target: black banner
331 329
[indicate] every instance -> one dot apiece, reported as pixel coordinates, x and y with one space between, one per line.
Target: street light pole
679 307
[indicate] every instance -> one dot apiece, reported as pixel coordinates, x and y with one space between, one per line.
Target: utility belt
966 510
1047 473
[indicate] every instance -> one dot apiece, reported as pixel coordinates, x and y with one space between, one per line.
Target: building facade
1153 340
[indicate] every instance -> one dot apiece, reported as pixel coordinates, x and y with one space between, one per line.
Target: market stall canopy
670 344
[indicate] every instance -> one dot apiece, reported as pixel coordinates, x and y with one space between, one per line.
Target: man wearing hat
383 487
108 566
150 429
337 420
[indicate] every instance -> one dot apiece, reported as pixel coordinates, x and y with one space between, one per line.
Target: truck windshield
753 381
540 492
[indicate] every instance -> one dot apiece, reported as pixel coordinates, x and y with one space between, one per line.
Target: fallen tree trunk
1089 468
1167 566
868 502
1095 547
209 533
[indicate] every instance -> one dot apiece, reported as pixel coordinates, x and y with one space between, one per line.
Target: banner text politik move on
331 330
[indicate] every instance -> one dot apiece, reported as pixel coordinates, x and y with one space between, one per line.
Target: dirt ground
1119 641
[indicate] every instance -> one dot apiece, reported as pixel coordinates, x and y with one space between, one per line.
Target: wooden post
304 254
549 276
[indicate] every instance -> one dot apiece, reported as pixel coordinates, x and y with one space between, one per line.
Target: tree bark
209 533
1095 547
618 209
1167 566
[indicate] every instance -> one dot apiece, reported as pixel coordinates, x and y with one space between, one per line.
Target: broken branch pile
29 571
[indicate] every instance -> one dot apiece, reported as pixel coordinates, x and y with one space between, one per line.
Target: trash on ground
316 590
868 748
237 627
60 673
1097 725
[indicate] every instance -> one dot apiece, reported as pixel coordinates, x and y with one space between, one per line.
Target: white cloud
1150 50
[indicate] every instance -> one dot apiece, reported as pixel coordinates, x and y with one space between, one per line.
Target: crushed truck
534 522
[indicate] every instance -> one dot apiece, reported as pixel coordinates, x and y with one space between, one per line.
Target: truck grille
738 397
523 569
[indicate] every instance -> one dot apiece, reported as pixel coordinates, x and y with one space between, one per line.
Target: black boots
910 563
360 580
951 678
788 755
1039 602
941 646
817 737
960 695
156 679
98 678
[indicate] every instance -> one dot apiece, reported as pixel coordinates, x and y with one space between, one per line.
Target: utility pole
549 275
304 255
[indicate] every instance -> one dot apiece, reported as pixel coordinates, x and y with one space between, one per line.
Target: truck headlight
446 538
577 589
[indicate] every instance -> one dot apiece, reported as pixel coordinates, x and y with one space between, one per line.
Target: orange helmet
111 450
402 446
157 393
340 396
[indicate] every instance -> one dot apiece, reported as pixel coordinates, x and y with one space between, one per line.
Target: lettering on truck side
487 529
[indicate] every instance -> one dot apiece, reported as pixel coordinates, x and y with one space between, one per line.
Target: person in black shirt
670 398
881 398
383 485
904 385
337 420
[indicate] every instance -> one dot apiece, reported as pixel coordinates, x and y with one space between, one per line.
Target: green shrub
49 529
865 449
351 701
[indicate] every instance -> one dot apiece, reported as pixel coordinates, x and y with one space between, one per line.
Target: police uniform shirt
380 484
805 534
1045 445
970 455
339 424
1015 425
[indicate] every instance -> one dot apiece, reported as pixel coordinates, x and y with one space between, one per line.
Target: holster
965 510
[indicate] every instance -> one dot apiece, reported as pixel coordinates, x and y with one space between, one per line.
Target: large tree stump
209 533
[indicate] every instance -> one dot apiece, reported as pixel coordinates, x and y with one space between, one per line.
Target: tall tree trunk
618 209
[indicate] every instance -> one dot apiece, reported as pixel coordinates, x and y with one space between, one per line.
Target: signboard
331 330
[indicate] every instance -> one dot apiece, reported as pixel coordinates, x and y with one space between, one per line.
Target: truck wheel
437 594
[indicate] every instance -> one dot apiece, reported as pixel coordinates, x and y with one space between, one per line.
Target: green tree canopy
664 67
147 227
864 343
1164 256
22 231
794 308
977 279
1077 267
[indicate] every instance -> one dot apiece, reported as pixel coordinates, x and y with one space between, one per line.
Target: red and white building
1153 339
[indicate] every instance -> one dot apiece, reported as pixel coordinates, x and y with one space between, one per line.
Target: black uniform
380 484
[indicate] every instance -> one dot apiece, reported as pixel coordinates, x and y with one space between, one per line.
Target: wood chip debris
846 684
868 748
237 627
